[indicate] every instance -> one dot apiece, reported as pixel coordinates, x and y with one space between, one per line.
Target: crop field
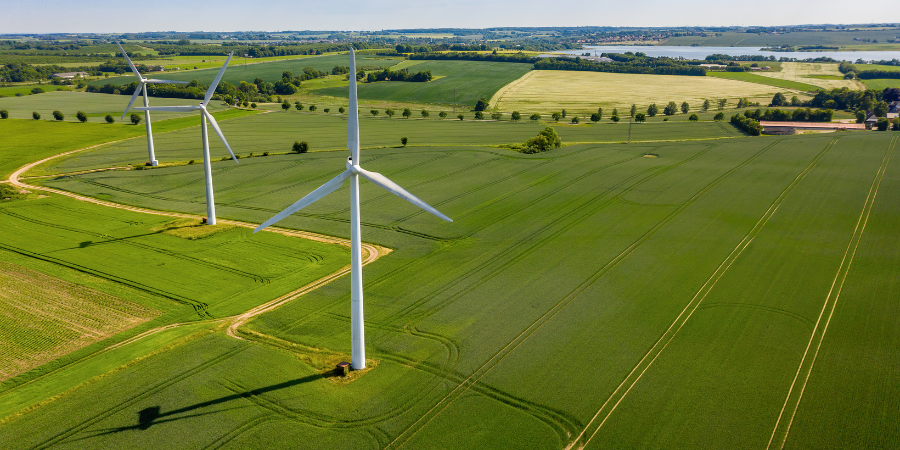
275 132
545 91
808 73
694 289
717 293
461 82
268 71
61 317
96 106
771 81
832 37
11 91
881 83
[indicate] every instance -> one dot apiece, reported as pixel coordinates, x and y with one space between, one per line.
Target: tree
693 118
685 107
720 116
342 110
556 116
298 106
425 114
535 117
671 109
58 115
640 117
109 118
496 115
404 140
81 116
652 110
482 104
595 117
389 112
406 113
600 112
253 105
312 108
563 113
882 123
880 109
460 116
374 112
285 106
633 110
614 117
36 115
326 110
442 114
135 119
246 103
479 115
515 116
4 114
575 120
795 101
229 100
722 103
895 124
860 116
779 100
544 141
300 147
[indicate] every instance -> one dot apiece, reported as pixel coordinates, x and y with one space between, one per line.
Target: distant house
767 67
70 74
714 66
776 127
894 110
871 119
755 69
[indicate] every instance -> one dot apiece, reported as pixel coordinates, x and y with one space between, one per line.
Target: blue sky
44 16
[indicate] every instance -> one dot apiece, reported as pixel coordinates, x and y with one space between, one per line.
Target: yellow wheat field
543 91
803 72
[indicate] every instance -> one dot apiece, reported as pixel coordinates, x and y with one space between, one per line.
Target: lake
703 52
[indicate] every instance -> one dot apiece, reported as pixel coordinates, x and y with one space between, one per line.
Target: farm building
894 110
871 119
773 127
70 74
714 66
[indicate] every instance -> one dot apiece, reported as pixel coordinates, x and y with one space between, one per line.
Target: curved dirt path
371 252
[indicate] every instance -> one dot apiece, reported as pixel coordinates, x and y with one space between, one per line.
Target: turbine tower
204 117
142 87
353 173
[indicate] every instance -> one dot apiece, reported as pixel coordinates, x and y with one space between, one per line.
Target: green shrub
4 114
300 147
693 118
109 118
82 117
57 115
135 119
404 140
545 140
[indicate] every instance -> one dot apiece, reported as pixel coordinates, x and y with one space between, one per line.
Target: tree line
644 65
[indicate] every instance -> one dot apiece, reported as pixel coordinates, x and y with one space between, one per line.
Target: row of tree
399 75
645 65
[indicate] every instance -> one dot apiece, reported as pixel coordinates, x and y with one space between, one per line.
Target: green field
660 294
461 83
11 91
881 83
96 106
268 71
754 78
832 37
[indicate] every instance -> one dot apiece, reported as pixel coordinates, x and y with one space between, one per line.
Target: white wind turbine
142 87
353 172
204 117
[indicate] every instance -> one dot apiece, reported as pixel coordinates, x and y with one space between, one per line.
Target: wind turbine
204 117
353 173
142 87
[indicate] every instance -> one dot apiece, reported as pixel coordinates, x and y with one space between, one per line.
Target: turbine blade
137 92
215 126
133 69
168 108
388 185
215 83
322 191
157 81
353 119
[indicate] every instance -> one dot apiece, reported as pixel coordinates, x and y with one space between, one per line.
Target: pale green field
805 73
96 106
544 91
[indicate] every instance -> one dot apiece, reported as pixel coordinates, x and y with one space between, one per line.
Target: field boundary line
669 335
839 278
